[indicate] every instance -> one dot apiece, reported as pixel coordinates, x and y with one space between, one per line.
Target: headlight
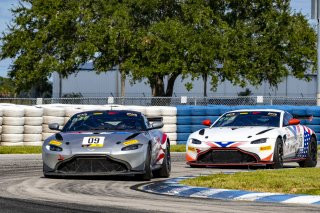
262 140
195 141
54 148
131 147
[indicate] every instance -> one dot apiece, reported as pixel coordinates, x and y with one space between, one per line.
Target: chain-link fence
170 101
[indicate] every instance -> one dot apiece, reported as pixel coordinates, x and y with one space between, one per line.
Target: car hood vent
201 132
264 131
133 135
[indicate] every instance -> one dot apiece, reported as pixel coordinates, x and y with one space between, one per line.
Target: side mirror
54 126
156 125
206 122
294 121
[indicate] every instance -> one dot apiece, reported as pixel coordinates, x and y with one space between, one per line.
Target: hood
113 141
231 133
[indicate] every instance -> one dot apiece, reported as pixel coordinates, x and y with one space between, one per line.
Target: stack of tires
52 114
33 126
314 124
12 126
183 123
169 118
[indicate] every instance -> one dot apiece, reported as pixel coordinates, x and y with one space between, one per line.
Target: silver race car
115 142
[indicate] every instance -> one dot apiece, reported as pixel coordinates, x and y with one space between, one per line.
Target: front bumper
227 156
90 165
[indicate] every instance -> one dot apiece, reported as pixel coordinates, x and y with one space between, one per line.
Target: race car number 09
93 141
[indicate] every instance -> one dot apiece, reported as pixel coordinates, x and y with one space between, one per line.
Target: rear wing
155 119
303 117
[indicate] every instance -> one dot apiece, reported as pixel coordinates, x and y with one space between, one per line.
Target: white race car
252 137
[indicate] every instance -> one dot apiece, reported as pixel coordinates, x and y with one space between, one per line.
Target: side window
286 118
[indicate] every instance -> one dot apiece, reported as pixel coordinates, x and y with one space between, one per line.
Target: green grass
178 148
292 181
20 149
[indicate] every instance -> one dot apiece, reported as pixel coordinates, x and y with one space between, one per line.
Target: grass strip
20 149
291 181
178 148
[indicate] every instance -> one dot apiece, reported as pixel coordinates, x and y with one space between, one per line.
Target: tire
147 168
54 111
12 138
32 137
312 156
165 170
46 135
153 111
169 119
169 128
33 111
12 129
168 111
33 121
35 143
277 155
32 129
46 129
13 121
52 119
13 111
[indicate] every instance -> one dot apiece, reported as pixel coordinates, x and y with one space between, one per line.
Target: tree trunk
123 82
205 79
60 85
170 86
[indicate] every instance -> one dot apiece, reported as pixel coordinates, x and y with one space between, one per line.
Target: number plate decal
93 142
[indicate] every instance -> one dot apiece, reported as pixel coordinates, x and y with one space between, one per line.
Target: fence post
39 101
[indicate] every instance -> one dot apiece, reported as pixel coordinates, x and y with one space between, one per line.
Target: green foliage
7 87
240 41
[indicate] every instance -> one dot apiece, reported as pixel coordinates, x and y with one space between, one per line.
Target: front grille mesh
226 156
92 165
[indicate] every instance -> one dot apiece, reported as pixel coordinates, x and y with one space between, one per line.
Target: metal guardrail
170 101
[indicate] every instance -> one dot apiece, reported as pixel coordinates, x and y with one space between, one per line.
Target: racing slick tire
165 170
147 168
277 155
312 156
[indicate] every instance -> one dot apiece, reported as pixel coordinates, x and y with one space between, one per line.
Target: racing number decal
93 142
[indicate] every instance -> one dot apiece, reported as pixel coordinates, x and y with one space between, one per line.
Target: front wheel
147 168
165 170
277 155
312 156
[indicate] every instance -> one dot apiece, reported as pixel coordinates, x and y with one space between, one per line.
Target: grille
226 156
92 165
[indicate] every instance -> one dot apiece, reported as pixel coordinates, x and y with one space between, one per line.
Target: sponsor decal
265 148
97 113
132 115
130 142
244 113
93 141
55 142
272 114
191 149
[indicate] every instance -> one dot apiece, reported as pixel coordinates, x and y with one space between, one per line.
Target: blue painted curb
174 188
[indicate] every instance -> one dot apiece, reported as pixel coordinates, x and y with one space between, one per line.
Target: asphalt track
23 189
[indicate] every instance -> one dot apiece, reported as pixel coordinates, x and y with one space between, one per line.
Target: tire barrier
28 125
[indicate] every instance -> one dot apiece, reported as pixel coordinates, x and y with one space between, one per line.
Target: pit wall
28 125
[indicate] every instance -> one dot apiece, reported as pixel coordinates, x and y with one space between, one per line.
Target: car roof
254 110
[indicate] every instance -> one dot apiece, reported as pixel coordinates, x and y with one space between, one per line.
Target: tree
243 41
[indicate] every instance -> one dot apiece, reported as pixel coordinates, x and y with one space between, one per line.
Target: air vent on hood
201 132
133 136
264 131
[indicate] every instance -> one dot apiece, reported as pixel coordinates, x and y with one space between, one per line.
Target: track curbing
174 188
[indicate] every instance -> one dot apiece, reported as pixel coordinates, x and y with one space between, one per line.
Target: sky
303 6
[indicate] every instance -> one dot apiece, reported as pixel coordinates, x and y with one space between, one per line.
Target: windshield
256 118
106 120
